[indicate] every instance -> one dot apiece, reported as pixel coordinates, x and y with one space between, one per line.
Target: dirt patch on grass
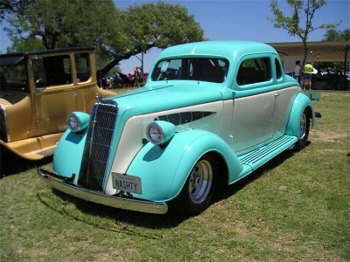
331 93
335 151
329 136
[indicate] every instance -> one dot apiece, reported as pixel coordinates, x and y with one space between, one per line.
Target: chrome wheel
303 126
304 129
200 181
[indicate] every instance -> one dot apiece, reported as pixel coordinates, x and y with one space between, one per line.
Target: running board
258 157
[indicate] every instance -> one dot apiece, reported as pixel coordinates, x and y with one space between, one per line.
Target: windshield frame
225 69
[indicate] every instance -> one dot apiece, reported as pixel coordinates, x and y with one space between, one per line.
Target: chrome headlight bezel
160 132
78 121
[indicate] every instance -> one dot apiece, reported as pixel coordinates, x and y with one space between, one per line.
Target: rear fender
301 102
164 170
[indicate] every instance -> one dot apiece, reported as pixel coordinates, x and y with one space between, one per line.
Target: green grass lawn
295 208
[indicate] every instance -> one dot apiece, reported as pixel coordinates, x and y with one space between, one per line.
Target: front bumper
60 184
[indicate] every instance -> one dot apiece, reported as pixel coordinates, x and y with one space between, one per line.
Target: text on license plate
127 183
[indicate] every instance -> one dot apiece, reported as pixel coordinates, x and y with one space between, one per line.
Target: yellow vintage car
37 92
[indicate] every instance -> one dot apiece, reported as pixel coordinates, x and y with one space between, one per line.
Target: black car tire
305 120
198 191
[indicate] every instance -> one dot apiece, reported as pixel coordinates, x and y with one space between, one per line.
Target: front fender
68 153
164 171
301 102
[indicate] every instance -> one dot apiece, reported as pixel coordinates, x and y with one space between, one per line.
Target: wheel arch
171 165
223 179
300 104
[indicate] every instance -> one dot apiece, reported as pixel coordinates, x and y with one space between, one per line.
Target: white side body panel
254 114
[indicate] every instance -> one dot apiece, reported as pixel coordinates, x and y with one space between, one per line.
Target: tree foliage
10 6
24 45
64 23
116 34
337 35
300 22
153 25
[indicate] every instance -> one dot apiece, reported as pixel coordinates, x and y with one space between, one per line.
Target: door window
52 71
83 67
254 70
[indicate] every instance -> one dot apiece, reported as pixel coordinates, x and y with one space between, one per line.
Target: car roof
229 49
15 58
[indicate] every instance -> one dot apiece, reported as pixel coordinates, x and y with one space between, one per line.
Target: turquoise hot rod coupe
210 114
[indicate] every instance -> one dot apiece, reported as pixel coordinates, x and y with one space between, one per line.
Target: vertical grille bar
97 145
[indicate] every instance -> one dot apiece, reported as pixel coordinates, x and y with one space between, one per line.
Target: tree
24 45
10 6
337 35
116 34
300 23
153 25
65 23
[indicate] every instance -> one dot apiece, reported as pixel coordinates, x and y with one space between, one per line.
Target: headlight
160 132
78 121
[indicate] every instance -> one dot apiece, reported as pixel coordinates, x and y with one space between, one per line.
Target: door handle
276 95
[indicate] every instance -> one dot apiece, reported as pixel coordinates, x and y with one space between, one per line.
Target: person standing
309 70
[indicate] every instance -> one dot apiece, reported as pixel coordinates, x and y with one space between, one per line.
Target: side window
83 67
278 69
52 70
254 71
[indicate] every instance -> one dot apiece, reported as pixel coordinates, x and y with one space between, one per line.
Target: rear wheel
304 130
198 190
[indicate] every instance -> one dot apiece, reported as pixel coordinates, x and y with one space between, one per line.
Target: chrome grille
97 145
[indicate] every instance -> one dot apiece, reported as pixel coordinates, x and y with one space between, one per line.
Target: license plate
125 183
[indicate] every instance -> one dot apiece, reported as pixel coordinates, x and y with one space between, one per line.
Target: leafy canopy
64 23
152 25
116 34
300 22
337 35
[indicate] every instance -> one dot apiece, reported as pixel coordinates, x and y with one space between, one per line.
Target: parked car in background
37 92
210 114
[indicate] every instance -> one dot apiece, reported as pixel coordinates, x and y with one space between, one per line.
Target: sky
234 20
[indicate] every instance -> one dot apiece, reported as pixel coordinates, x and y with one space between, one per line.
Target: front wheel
304 130
198 190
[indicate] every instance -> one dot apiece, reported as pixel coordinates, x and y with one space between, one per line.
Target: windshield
13 77
200 69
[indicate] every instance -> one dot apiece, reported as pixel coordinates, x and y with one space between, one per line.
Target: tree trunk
142 65
102 72
306 51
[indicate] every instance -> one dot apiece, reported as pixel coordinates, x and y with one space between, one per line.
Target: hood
154 99
10 97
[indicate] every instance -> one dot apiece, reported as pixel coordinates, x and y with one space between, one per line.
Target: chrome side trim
60 184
